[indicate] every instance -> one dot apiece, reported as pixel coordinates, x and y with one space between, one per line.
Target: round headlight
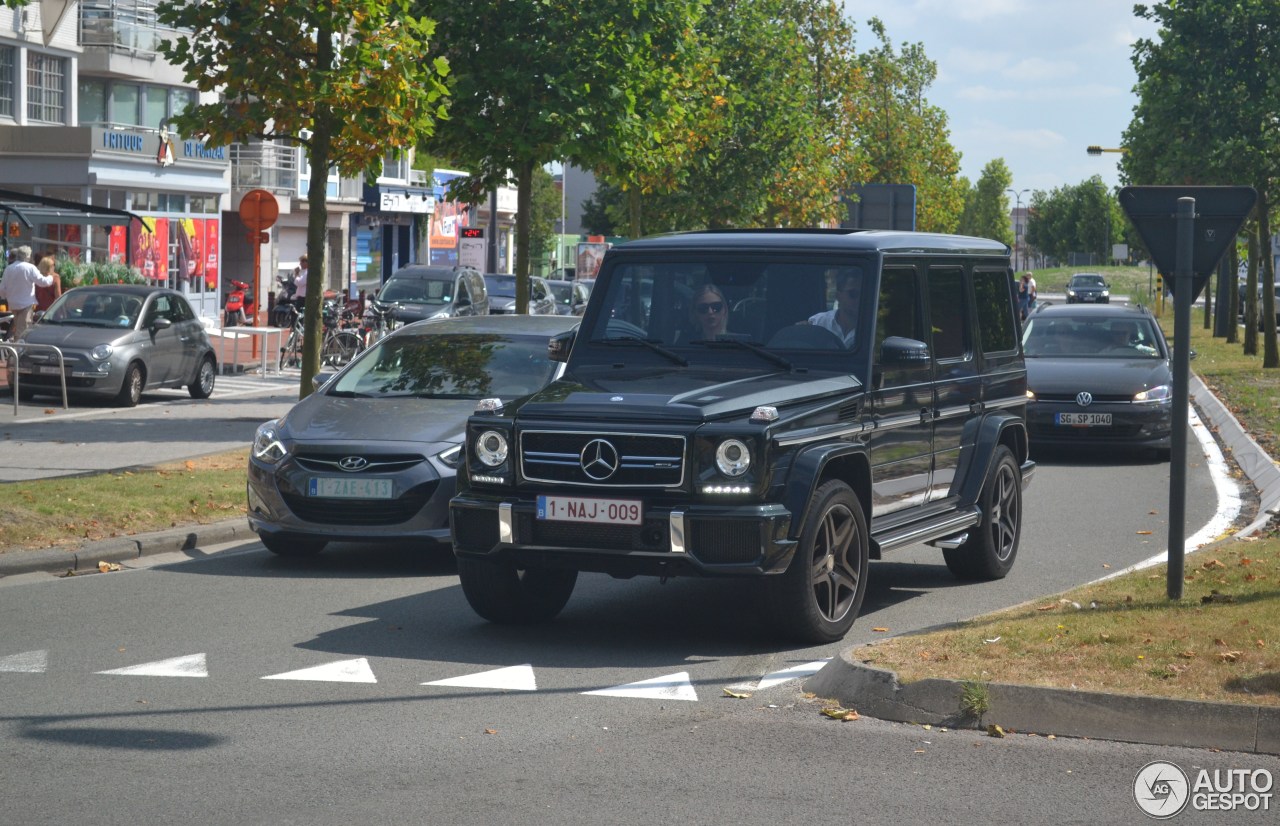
102 352
491 448
733 458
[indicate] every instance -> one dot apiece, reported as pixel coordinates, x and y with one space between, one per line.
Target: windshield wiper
722 343
651 344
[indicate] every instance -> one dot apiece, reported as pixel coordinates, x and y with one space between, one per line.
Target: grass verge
68 511
1220 642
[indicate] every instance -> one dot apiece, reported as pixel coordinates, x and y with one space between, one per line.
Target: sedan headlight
733 458
1106 293
1162 393
1071 293
491 448
102 352
266 443
451 457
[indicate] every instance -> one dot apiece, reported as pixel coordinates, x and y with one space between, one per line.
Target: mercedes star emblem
599 459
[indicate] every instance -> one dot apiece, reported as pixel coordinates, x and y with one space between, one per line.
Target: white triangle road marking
670 687
191 665
512 678
30 662
343 671
797 672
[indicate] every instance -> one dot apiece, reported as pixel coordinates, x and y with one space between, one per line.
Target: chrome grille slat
644 459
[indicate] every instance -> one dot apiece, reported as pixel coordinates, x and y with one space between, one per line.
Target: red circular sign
259 210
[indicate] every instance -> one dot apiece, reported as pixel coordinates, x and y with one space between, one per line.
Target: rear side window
947 312
993 291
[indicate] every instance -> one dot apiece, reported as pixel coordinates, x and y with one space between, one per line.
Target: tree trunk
1251 297
633 210
317 220
1233 297
1270 352
524 201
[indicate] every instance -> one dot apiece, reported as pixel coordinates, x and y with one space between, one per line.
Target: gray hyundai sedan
371 455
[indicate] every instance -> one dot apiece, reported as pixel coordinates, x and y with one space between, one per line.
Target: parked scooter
240 307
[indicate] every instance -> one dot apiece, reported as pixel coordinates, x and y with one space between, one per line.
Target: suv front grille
653 535
636 459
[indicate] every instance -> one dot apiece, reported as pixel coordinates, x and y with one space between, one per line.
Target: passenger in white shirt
844 317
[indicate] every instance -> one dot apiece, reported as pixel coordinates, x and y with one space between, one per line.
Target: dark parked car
502 294
371 455
1098 376
418 292
571 296
1261 316
776 404
1088 288
118 340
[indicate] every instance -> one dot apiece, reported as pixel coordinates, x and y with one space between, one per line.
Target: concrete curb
124 549
1127 718
1061 712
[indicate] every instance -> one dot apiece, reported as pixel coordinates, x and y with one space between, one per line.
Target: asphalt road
358 687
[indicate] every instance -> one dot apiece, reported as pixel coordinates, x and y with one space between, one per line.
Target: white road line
670 687
512 678
343 671
192 665
30 662
798 672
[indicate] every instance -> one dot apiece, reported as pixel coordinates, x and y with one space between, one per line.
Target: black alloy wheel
992 546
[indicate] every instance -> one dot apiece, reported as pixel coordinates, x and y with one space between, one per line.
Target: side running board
938 528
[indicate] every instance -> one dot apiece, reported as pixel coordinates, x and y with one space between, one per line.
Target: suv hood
1097 375
690 396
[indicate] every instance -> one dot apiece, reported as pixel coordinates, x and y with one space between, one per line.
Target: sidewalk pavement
1063 712
876 692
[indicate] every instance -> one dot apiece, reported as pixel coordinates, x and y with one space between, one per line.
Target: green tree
1207 110
905 138
544 202
343 78
986 207
538 81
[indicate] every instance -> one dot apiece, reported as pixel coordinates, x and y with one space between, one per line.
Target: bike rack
17 378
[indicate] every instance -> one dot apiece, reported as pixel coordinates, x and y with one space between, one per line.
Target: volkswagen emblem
1084 398
351 464
599 459
615 398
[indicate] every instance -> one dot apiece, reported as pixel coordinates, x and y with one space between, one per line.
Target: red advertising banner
151 256
116 244
191 249
212 250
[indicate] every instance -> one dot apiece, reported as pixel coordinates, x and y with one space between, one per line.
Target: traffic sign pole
1183 294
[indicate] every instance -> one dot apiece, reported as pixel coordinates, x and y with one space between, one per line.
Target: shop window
156 106
7 56
46 88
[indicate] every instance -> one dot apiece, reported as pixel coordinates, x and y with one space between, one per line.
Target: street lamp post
1017 223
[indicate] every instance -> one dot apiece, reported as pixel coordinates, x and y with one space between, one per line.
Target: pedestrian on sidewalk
18 286
47 295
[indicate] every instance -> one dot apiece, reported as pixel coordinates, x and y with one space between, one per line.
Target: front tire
131 390
206 375
993 546
502 593
818 597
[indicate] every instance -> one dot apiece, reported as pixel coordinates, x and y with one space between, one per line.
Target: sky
1034 82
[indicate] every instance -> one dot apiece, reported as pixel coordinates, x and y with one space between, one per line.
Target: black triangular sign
1220 212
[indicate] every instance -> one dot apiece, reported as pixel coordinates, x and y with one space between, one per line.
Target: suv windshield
1078 337
781 305
417 291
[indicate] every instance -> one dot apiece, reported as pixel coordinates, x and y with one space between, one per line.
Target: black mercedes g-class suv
776 403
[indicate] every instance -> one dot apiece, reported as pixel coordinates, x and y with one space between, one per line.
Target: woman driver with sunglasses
710 312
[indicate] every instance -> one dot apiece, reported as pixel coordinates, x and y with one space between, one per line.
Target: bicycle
340 345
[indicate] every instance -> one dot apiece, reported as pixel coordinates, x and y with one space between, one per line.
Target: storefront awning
37 209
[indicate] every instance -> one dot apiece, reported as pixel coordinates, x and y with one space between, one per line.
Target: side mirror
559 345
319 379
897 351
161 324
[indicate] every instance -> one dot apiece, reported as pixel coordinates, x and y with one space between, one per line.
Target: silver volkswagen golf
371 455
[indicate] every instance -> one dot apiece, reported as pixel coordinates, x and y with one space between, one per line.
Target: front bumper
675 538
279 506
1132 425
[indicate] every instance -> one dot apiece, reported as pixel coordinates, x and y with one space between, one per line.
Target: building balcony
269 166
